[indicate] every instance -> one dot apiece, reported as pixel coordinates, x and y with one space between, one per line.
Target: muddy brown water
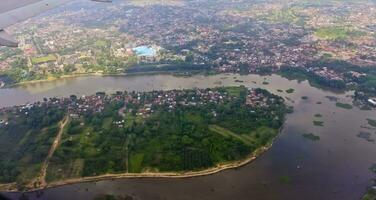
335 167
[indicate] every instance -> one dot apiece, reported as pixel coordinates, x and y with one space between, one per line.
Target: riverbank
11 187
49 79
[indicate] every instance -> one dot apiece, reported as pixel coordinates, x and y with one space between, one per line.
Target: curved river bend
335 167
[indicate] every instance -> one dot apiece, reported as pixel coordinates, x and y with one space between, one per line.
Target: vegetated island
318 123
372 122
177 133
311 136
290 91
344 106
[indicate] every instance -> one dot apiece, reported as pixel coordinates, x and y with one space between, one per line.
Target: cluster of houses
257 99
141 104
328 74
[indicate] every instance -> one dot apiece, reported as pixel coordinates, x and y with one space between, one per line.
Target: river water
335 167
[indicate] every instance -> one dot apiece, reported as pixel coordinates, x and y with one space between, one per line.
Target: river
335 167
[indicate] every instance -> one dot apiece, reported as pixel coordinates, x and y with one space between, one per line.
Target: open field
40 60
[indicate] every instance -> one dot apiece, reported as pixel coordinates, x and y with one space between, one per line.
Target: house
372 102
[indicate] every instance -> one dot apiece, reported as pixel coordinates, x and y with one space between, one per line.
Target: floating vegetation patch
311 136
318 123
371 122
289 91
344 106
373 168
318 115
290 109
366 136
304 97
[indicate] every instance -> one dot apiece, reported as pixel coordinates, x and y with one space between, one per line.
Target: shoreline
93 74
168 175
172 72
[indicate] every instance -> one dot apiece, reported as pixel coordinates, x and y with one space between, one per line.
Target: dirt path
40 181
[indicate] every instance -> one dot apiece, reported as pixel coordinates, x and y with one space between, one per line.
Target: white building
372 102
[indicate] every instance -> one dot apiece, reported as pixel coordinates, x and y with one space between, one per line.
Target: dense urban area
331 43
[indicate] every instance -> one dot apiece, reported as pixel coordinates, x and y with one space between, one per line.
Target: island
177 133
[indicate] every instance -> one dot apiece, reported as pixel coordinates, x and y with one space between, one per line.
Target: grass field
235 91
337 33
135 163
227 133
40 60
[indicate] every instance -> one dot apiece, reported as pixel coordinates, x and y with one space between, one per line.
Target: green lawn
40 60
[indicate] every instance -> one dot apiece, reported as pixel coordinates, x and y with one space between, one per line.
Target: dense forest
26 140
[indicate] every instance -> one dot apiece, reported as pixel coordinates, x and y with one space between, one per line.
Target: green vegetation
227 133
371 122
371 195
265 83
373 168
318 123
235 91
183 139
318 115
311 136
290 91
101 43
25 142
285 179
337 33
40 60
344 106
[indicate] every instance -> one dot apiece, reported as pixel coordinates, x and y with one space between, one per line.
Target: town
140 103
261 37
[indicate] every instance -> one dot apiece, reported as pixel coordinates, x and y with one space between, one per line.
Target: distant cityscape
241 37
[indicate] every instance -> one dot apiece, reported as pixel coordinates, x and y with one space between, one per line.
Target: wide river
335 167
